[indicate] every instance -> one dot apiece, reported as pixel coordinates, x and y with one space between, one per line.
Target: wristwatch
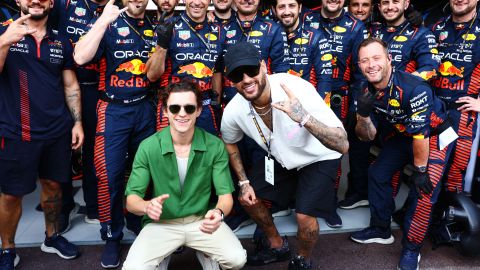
221 213
422 169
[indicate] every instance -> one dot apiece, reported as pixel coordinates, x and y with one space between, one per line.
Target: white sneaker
207 262
91 220
282 213
164 264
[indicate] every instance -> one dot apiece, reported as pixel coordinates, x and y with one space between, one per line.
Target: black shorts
22 163
312 187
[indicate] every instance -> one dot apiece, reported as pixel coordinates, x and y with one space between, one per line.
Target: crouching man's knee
233 259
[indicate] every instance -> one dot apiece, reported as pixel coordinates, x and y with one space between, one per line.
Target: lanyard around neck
267 143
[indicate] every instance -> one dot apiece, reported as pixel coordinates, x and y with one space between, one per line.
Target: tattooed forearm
365 129
334 138
236 161
307 237
74 104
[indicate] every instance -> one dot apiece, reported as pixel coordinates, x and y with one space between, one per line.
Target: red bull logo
293 72
427 75
448 69
197 70
135 66
7 22
401 128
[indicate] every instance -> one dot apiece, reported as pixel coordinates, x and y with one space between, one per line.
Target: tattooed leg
51 201
307 234
263 218
10 212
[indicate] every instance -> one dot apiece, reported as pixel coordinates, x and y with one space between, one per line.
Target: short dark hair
274 2
185 85
371 40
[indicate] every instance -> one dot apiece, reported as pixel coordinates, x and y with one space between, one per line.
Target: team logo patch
123 31
211 37
477 29
339 29
184 34
469 37
301 41
263 27
348 24
256 34
443 35
434 51
148 33
400 38
315 25
409 33
80 11
231 33
394 103
327 57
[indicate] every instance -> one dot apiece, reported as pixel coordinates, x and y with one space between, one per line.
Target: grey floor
31 228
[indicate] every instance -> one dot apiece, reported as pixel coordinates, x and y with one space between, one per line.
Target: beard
35 17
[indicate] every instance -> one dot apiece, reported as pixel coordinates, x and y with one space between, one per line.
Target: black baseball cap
241 54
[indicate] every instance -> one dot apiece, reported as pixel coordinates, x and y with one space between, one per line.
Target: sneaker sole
382 241
355 205
286 257
16 261
110 265
334 226
282 213
418 263
244 223
53 250
91 221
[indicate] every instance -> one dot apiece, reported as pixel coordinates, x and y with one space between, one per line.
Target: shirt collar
198 142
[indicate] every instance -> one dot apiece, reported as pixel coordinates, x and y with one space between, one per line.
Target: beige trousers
157 241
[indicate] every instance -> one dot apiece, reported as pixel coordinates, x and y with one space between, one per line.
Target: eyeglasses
175 108
236 75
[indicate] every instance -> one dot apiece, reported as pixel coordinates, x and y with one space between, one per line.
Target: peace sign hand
17 30
111 12
291 106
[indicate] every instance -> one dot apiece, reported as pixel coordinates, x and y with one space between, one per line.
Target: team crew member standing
403 111
194 52
309 50
74 17
459 77
38 87
182 163
303 140
125 41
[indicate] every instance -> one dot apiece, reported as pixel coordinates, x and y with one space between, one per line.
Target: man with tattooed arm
304 141
40 123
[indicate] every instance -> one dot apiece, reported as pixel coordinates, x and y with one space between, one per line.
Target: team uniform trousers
120 129
395 154
157 241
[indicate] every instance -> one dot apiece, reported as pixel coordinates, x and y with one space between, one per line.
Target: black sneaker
65 219
9 259
269 255
410 260
334 221
299 262
111 254
59 245
373 235
352 202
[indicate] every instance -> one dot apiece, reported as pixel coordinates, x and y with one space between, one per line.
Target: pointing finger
123 10
111 2
22 19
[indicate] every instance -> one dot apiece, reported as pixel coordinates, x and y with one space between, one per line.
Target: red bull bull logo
448 69
135 66
293 72
197 70
427 75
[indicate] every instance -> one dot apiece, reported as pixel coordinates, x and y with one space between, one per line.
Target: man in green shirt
181 163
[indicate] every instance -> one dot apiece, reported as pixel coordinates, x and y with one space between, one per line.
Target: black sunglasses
175 108
236 75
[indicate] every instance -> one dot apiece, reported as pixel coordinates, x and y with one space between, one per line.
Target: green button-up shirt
156 163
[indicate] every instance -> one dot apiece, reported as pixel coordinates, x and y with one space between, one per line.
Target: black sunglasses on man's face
175 108
236 75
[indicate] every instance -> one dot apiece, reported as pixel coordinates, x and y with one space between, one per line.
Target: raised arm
334 138
14 33
87 46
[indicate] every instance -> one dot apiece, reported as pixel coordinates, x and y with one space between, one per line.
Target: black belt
105 98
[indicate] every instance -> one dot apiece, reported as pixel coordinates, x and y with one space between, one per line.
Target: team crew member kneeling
304 141
402 109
